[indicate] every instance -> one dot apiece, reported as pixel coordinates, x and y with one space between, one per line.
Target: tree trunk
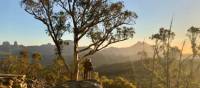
190 76
153 68
76 59
59 52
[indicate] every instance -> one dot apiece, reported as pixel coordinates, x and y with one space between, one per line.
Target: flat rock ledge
80 84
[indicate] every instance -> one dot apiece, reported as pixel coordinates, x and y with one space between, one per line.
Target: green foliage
140 72
167 68
118 82
101 21
33 69
193 34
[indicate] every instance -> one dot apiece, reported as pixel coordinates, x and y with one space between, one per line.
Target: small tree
23 61
164 37
35 67
55 21
193 34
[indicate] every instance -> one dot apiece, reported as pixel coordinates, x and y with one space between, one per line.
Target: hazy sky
16 24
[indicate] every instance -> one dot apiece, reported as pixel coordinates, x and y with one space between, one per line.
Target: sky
17 25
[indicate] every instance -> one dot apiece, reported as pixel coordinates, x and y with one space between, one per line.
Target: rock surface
80 84
11 80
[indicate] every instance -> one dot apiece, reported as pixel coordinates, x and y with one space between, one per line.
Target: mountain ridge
109 55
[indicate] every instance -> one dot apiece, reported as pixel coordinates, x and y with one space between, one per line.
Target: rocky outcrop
80 84
37 83
19 81
12 81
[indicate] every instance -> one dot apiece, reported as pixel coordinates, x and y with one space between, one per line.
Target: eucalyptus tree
162 44
156 54
54 19
102 22
193 34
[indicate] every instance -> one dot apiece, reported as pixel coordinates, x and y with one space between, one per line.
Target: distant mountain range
109 55
119 55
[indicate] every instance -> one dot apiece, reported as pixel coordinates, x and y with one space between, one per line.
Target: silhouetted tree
193 34
164 37
155 55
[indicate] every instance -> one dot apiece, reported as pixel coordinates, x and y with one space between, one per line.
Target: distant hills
118 55
47 50
107 56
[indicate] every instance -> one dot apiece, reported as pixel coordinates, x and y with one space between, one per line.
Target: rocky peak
5 43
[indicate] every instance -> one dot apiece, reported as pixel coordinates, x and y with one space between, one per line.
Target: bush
118 82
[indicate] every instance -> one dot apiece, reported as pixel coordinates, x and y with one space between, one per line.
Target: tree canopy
103 22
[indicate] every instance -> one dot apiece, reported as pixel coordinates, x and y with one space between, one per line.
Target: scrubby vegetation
118 82
51 75
168 68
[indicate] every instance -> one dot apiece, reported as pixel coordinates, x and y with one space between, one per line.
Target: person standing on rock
88 68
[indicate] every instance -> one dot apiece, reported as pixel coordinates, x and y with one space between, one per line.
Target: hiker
87 69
